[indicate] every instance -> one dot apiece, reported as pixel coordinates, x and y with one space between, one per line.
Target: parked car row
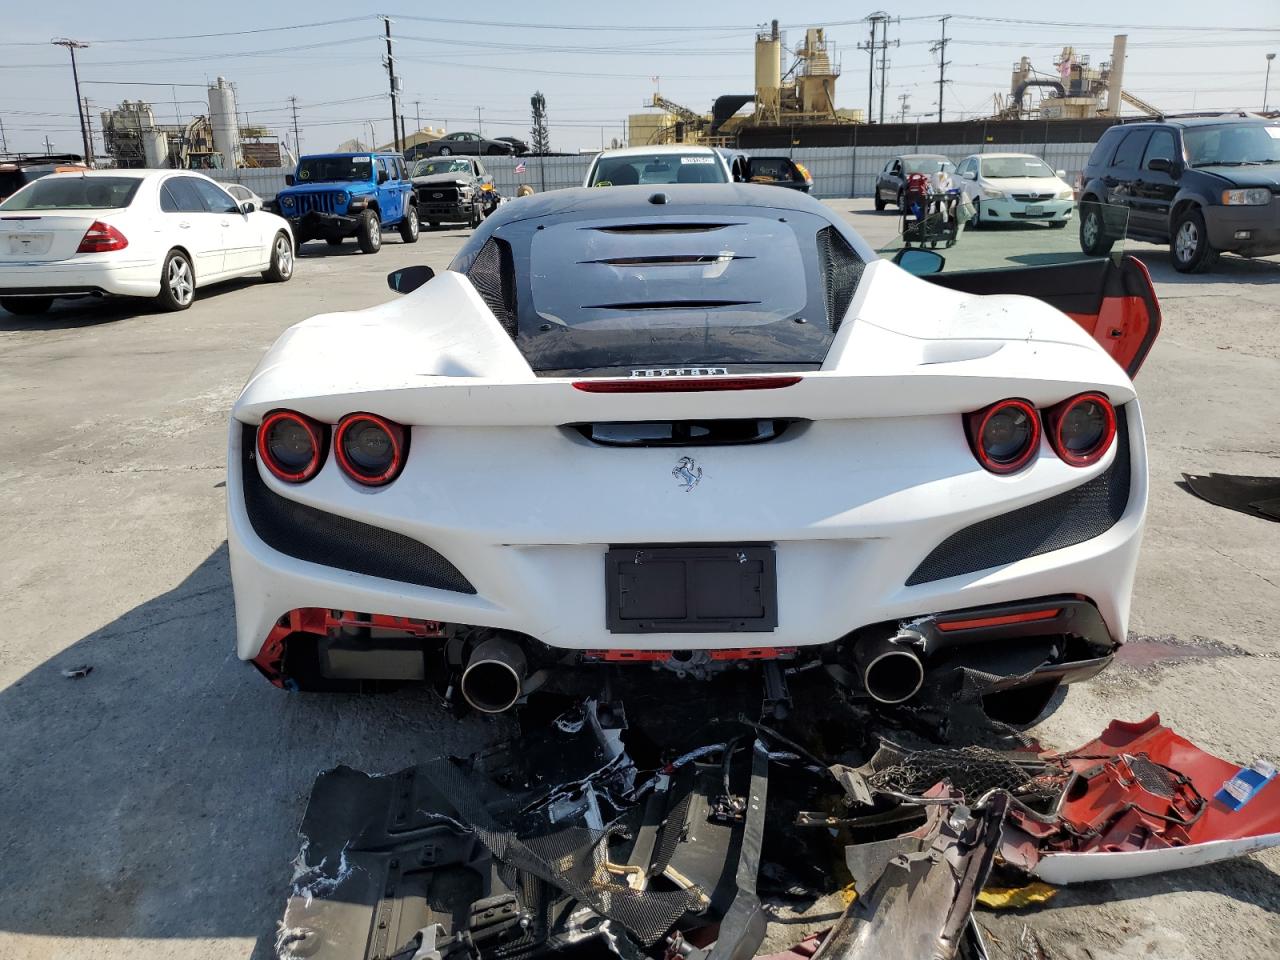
1003 187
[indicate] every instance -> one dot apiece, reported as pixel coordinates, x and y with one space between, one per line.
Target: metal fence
838 172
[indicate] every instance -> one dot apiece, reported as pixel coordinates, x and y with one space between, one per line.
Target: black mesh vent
492 273
326 538
1080 514
841 270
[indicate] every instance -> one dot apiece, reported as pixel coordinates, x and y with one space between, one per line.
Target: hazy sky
1182 55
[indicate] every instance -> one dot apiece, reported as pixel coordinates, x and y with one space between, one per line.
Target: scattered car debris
75 673
1255 496
1016 898
589 833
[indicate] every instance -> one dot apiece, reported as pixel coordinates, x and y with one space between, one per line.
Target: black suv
1204 185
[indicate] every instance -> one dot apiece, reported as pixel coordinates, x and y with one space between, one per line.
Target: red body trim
320 622
979 622
684 384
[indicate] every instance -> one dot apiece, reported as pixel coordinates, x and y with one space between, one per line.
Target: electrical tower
940 48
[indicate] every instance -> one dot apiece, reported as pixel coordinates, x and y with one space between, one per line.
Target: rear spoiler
1114 301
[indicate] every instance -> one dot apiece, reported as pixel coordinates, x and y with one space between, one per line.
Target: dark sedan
891 182
467 145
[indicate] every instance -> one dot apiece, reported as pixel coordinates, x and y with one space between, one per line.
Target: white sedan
132 233
1013 187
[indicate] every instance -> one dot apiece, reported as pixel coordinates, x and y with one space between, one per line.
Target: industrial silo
768 75
222 120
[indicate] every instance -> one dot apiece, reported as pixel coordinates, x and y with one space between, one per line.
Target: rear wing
1114 301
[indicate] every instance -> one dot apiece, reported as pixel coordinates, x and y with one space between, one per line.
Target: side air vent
684 433
663 227
331 540
493 275
841 270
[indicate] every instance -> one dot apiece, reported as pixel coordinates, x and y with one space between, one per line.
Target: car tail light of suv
101 238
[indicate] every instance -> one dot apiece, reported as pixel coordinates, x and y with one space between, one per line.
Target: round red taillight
291 445
1081 428
371 449
1005 435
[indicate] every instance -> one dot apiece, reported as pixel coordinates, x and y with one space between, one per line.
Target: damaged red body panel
321 622
1142 800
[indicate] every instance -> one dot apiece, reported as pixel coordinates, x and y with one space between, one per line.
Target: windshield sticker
697 159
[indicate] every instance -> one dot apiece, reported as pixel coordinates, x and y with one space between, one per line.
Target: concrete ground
150 808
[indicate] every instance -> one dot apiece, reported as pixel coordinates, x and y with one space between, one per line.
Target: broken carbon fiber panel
743 928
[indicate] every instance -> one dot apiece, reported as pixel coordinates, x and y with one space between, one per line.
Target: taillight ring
1056 418
315 430
977 423
399 448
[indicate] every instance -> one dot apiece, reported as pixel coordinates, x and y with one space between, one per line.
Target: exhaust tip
490 686
893 676
494 677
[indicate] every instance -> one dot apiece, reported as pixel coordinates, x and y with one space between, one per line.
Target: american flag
520 167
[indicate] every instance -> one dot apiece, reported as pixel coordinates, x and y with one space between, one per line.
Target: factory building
216 140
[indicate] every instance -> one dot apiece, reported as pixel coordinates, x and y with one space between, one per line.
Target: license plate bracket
702 588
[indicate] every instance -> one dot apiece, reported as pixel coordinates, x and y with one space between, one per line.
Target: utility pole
72 46
4 144
48 147
88 122
395 92
870 47
1266 86
417 113
884 61
940 48
902 107
479 123
293 105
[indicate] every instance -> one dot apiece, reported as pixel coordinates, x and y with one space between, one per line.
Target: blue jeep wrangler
333 196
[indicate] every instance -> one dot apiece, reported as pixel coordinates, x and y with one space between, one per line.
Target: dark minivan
1204 185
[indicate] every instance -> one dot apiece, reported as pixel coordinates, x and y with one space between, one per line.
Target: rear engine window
75 193
668 273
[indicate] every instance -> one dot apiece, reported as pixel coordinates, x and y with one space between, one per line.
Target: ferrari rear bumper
463 537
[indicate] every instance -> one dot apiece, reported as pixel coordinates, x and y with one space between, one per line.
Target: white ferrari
690 426
160 234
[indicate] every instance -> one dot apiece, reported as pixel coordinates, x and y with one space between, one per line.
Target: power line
205 36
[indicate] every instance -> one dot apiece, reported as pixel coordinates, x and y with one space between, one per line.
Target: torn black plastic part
919 888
